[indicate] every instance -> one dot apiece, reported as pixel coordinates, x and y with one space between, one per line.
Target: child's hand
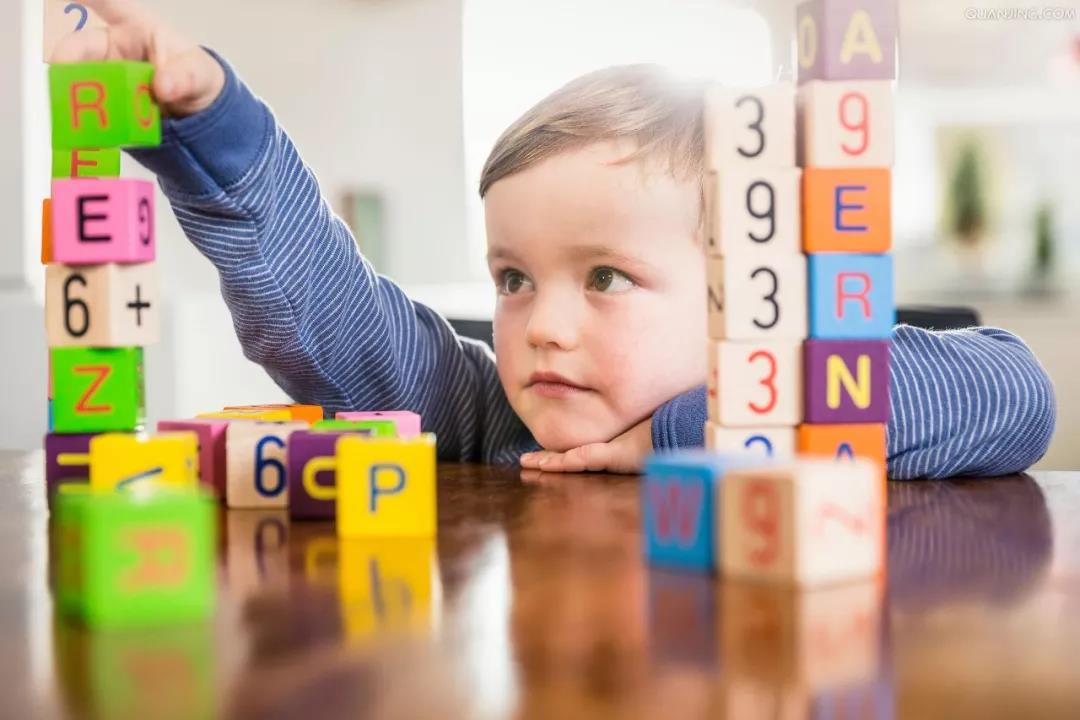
187 79
624 454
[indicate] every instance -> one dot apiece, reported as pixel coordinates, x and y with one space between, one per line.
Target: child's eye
511 282
606 279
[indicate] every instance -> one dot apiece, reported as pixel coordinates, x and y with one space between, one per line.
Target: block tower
101 289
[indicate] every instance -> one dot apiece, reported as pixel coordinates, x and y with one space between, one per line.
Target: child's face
601 280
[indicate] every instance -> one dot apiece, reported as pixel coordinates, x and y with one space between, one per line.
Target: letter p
373 482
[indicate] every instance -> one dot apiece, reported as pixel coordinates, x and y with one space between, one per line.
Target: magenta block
211 434
857 370
846 40
407 424
67 459
305 448
97 221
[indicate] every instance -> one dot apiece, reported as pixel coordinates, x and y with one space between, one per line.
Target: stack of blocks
798 343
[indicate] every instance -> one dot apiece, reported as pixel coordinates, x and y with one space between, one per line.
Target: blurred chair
930 317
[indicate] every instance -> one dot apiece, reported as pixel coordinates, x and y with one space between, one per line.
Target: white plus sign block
751 125
811 522
102 305
755 384
769 442
846 124
752 298
255 454
753 210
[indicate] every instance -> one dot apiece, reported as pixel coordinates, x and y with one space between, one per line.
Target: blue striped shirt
330 331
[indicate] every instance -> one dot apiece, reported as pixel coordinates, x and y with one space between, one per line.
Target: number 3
768 382
755 125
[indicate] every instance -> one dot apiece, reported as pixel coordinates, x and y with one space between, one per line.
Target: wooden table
536 603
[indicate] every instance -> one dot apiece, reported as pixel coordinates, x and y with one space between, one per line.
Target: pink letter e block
98 221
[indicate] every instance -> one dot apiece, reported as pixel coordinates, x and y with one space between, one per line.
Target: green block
375 428
103 105
86 163
97 389
136 559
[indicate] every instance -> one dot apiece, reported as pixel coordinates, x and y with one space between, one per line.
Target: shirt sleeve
964 402
305 304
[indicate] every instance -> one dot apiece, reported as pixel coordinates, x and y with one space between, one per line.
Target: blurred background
396 103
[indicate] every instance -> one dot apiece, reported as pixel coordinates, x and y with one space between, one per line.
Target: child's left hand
624 454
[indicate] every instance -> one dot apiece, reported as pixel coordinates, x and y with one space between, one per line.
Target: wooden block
256 552
818 640
136 559
757 298
67 460
374 428
766 442
121 461
753 211
103 105
301 413
386 486
847 210
263 415
755 384
388 586
102 305
312 473
679 502
844 442
86 163
751 125
256 453
212 459
63 18
97 389
811 522
845 124
46 231
99 221
847 381
846 40
851 296
406 423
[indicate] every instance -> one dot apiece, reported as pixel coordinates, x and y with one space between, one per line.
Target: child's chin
560 434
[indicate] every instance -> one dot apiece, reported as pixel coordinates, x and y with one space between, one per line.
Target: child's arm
964 402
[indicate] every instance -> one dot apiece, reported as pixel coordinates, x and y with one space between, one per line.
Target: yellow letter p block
386 486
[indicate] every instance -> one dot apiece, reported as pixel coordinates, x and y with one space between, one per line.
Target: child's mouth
556 389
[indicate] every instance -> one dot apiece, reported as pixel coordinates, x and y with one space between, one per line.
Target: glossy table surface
535 602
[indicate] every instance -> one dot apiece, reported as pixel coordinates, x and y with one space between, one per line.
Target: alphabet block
754 211
845 124
212 460
847 381
301 413
312 472
386 487
135 559
406 423
847 210
373 428
46 231
846 40
100 221
851 296
125 462
767 442
103 105
388 586
755 384
811 522
86 163
844 442
262 415
256 453
102 305
67 460
97 389
751 125
754 298
63 18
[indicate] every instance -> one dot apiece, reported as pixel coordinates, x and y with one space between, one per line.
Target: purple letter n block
847 381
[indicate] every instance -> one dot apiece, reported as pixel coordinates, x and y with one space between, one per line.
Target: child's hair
643 103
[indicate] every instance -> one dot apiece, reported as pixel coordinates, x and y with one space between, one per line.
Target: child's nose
554 322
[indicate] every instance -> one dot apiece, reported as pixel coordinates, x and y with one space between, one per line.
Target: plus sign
138 305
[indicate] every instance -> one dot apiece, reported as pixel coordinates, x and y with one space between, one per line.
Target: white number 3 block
755 383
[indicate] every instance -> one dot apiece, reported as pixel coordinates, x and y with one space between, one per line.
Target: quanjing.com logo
1036 14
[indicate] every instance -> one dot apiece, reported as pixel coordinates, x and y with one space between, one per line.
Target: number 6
262 463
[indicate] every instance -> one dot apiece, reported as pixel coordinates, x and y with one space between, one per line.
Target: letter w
676 511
